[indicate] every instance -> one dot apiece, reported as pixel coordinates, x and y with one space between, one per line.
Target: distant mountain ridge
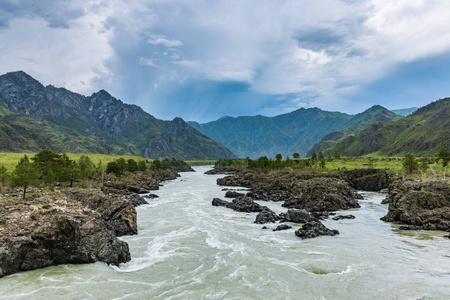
296 131
404 111
423 132
99 123
362 120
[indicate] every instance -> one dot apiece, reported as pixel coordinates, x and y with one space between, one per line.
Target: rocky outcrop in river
424 205
73 225
56 229
141 182
310 197
314 229
116 211
313 192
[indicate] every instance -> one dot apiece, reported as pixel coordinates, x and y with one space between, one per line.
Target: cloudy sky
203 59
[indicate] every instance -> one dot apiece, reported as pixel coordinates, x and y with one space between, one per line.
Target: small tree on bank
24 175
410 163
3 176
87 168
337 154
444 154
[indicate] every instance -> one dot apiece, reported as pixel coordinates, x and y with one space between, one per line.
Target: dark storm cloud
58 14
319 38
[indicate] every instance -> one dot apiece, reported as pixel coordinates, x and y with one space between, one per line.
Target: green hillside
360 121
99 123
267 136
286 134
421 133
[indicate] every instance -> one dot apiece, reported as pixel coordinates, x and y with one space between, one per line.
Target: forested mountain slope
98 123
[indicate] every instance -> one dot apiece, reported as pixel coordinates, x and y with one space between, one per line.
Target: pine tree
24 175
444 154
87 168
3 176
410 163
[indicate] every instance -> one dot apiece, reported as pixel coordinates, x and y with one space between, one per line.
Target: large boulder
52 230
422 204
117 212
323 194
282 227
219 202
297 216
245 204
266 216
314 229
136 200
233 194
368 179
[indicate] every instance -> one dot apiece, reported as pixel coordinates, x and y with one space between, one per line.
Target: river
188 249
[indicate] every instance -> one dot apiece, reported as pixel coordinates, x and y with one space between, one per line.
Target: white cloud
148 62
70 57
321 51
156 39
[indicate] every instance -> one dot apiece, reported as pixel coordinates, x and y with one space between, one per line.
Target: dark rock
137 189
282 227
409 228
245 204
265 227
314 229
322 215
117 212
386 200
313 192
224 170
136 200
323 194
65 232
367 179
297 216
447 236
151 196
422 204
219 202
341 217
266 216
233 194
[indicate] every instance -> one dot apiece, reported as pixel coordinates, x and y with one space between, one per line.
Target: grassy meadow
194 163
10 160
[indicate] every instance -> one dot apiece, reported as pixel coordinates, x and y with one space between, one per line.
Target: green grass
194 163
351 163
10 160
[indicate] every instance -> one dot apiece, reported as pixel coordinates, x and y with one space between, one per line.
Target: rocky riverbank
73 225
421 205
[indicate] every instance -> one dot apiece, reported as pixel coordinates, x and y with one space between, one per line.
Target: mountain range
297 131
362 120
422 133
35 117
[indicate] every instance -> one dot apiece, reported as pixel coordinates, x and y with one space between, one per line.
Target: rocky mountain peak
100 123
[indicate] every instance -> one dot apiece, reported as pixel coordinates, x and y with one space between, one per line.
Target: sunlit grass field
10 160
194 163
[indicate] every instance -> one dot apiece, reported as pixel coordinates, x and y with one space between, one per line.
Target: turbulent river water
188 249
